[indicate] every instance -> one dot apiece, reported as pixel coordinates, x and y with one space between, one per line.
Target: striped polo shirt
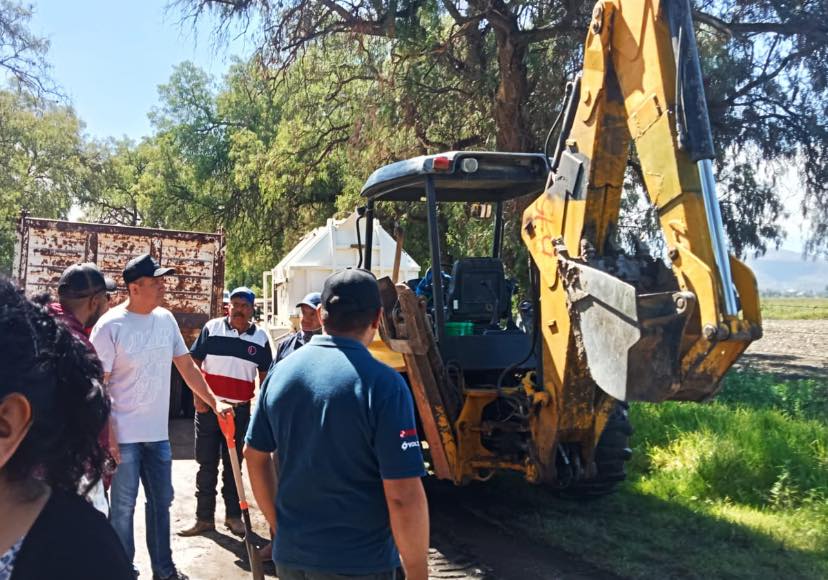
230 360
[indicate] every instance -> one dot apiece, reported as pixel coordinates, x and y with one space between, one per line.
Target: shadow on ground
465 528
236 547
784 366
526 531
216 555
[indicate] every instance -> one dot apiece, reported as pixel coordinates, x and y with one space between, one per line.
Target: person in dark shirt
52 408
83 297
350 500
309 326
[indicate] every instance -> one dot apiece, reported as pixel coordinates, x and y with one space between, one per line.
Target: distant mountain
784 270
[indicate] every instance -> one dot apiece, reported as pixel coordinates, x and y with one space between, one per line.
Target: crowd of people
329 438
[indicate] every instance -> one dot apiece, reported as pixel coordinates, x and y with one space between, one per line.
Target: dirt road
791 348
213 556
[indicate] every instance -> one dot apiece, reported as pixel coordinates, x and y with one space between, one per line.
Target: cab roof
490 177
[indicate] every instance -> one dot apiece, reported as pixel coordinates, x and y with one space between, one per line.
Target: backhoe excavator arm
628 91
609 325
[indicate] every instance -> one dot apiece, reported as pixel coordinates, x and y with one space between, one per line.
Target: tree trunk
512 135
512 92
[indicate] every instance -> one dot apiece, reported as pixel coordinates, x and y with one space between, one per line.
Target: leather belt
234 405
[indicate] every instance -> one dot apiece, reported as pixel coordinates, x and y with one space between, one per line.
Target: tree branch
810 28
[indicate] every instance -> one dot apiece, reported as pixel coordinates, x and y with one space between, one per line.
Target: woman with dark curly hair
52 408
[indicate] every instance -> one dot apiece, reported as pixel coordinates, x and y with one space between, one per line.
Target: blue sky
110 56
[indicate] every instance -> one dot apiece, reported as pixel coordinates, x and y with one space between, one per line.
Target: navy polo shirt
231 360
341 422
288 346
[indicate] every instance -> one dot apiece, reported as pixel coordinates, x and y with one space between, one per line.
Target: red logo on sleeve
408 433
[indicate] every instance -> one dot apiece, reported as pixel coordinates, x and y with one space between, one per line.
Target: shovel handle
228 428
399 236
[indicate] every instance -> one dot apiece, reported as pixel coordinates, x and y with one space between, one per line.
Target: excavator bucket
632 341
643 338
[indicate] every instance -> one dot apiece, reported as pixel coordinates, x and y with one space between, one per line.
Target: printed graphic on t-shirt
138 350
231 360
146 350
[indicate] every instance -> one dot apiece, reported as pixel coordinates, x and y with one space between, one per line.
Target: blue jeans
151 463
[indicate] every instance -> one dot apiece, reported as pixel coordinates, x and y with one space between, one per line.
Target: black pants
286 573
209 447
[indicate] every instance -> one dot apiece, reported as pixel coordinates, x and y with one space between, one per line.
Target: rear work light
441 164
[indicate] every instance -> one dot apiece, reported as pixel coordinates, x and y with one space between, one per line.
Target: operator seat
478 287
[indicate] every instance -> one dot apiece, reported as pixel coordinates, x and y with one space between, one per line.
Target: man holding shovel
137 343
231 350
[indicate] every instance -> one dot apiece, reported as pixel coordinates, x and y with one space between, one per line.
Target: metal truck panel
46 247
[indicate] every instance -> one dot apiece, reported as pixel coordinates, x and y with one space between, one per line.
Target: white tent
321 252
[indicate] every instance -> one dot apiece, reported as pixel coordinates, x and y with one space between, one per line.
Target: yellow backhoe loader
548 397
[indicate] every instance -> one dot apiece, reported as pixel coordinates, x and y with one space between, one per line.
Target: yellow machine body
602 339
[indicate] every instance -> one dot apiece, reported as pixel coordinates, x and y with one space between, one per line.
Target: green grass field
737 488
794 308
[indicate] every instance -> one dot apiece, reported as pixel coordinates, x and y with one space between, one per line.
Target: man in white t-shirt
137 343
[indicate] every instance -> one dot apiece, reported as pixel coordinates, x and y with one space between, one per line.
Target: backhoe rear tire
611 453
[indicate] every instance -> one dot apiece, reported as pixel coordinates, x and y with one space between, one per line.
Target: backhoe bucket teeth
631 341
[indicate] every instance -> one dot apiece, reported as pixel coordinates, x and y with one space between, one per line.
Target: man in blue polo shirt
350 500
309 326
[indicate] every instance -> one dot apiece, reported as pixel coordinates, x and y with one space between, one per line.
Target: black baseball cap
144 266
82 281
351 290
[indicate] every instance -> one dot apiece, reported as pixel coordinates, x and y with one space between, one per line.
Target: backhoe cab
473 371
469 306
609 326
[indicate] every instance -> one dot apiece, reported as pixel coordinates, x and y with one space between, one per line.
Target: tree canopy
490 74
42 165
337 89
22 54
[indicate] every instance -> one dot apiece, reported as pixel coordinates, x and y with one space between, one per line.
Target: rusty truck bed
45 247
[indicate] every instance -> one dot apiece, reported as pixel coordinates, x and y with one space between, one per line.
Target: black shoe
177 575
